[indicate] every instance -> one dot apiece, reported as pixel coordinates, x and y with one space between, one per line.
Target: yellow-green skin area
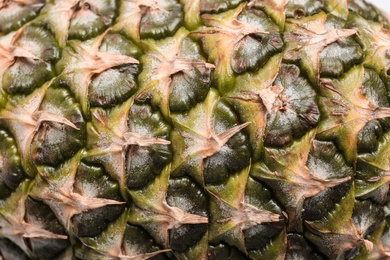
194 129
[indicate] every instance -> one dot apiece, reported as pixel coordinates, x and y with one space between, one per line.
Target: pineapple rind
169 129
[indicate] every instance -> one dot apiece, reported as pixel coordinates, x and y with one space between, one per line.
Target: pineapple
194 129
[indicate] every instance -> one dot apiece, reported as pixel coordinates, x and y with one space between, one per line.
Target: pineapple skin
194 129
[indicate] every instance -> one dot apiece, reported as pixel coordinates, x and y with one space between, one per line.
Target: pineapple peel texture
194 129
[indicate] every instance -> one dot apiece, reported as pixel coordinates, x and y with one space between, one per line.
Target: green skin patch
301 8
33 61
54 143
11 170
294 111
289 170
229 35
241 207
175 75
372 177
114 85
149 19
13 15
207 141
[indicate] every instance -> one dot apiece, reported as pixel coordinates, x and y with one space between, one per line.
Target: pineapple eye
161 22
256 37
296 105
14 14
299 13
36 67
86 6
303 8
54 143
217 6
11 173
91 19
253 50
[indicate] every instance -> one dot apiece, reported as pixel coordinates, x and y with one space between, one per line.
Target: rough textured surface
194 129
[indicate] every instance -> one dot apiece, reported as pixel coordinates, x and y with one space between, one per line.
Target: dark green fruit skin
180 129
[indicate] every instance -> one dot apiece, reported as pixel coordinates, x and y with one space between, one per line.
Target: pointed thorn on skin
224 137
134 138
44 116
